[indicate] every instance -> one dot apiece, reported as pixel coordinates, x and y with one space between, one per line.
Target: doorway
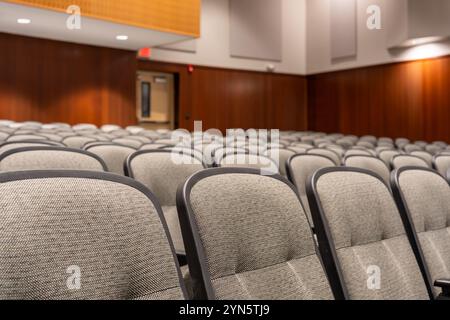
155 100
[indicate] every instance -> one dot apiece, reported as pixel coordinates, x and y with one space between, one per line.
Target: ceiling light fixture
23 21
122 37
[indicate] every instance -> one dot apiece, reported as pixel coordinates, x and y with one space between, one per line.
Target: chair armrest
444 284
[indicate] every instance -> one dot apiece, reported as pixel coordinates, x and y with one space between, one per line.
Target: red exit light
145 53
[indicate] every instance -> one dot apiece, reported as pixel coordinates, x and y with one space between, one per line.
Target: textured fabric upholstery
3 136
327 153
427 157
302 168
162 176
25 137
15 145
372 164
367 231
257 240
152 146
283 156
77 142
113 155
387 156
49 160
129 143
357 152
427 197
252 161
109 230
442 164
408 161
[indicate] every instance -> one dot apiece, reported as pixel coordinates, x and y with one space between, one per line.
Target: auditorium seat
387 155
128 142
248 160
282 155
113 155
50 158
30 143
162 171
407 160
25 137
441 163
357 152
300 168
77 142
328 153
247 237
424 156
84 127
361 237
370 163
423 197
83 235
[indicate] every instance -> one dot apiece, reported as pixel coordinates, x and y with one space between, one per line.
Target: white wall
371 44
213 47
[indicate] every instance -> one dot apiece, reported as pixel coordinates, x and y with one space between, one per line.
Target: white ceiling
52 25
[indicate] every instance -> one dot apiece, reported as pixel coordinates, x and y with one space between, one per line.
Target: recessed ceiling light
122 37
23 21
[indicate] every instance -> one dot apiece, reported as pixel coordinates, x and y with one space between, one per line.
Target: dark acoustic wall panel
256 29
409 99
51 81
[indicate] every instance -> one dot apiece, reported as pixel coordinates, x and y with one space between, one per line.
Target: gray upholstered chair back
22 144
300 168
249 160
427 157
361 236
441 163
281 156
247 237
25 137
424 199
369 163
327 153
114 155
77 142
407 160
357 152
163 171
387 155
129 142
83 235
50 158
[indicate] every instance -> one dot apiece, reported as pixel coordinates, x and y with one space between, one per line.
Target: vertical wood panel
51 81
408 99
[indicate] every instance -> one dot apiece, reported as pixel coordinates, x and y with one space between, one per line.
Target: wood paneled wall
409 99
223 98
51 81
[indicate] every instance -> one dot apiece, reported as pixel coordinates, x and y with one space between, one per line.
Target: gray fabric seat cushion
428 199
257 240
367 231
111 231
